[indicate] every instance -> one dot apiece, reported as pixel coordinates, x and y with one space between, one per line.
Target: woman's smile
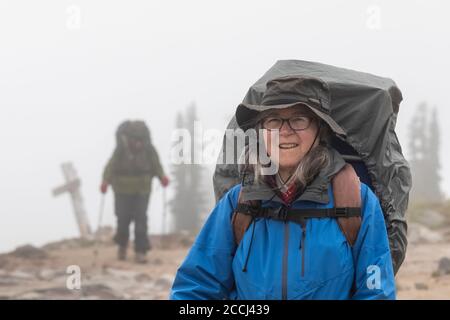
288 145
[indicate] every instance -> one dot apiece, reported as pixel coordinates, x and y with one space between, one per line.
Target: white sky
64 87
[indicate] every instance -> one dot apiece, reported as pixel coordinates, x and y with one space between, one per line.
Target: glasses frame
288 120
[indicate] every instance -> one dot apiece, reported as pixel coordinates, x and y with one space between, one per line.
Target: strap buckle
263 212
253 210
282 213
341 212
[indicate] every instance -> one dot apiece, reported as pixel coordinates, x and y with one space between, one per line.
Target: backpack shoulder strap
240 221
347 193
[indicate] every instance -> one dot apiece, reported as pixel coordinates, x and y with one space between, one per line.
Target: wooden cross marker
72 186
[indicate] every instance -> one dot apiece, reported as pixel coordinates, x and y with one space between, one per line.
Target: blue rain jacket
283 261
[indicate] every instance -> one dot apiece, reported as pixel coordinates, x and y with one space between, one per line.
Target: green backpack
129 162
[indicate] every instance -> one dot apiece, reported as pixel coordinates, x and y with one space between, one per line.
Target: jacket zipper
302 247
285 261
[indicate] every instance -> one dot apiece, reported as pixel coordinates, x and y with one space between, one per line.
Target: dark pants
128 208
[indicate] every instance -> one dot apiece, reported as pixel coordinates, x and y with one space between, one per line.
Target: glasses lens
300 123
272 123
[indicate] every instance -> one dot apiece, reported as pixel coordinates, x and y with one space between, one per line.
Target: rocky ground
41 273
425 274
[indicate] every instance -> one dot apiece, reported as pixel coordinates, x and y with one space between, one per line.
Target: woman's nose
286 128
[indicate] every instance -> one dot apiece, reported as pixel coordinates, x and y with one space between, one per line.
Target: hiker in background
312 230
130 171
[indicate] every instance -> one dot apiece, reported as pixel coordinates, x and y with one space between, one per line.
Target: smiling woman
299 130
309 231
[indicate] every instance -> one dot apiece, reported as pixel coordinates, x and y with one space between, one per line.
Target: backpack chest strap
297 215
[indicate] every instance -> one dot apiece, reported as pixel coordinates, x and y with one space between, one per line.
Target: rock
99 291
58 292
8 281
31 295
418 234
142 277
164 282
91 291
127 296
187 242
157 261
20 275
70 244
161 296
443 267
14 278
50 274
421 286
141 292
120 274
51 293
3 261
29 252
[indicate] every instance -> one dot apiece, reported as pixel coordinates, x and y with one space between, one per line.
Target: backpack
132 129
129 163
366 107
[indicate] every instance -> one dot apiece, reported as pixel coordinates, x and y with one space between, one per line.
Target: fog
71 71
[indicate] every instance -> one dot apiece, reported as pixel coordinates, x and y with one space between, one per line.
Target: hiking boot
122 253
140 258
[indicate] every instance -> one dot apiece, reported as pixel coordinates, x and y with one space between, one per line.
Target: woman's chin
289 163
287 167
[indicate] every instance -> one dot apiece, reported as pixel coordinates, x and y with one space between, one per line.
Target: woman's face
293 145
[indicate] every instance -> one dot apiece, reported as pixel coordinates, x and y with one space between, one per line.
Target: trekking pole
100 216
163 230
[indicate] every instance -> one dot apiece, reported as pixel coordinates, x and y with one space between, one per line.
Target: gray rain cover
366 107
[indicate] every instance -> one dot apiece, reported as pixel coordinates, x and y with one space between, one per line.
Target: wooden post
72 186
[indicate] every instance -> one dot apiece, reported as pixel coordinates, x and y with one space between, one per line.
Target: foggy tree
178 172
432 162
424 140
417 135
189 199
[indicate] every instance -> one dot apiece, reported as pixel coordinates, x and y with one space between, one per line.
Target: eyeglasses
295 123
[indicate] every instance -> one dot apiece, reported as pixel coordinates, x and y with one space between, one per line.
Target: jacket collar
316 191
